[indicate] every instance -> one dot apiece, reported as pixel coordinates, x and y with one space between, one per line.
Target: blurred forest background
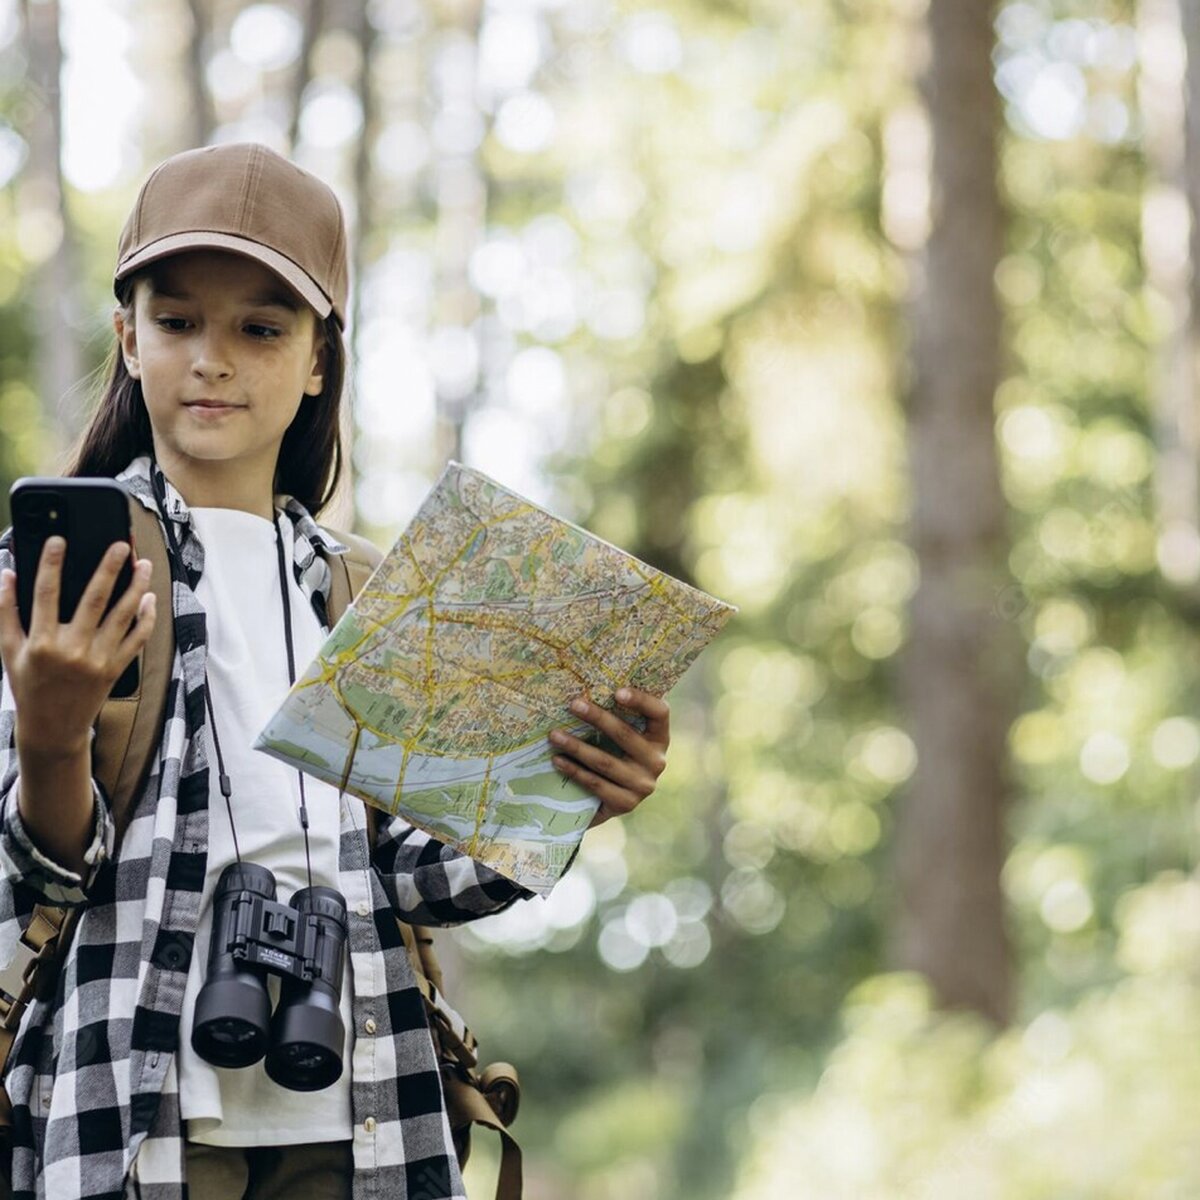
878 318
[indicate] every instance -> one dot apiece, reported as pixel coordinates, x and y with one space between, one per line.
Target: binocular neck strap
177 572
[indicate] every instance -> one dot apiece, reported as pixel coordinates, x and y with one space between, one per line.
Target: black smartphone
91 514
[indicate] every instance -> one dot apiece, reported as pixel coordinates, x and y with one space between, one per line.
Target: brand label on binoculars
275 958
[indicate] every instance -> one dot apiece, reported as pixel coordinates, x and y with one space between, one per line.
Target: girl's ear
316 376
127 338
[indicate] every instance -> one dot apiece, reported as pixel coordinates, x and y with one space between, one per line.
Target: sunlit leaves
915 1105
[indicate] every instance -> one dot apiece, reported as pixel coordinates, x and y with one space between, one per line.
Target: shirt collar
136 477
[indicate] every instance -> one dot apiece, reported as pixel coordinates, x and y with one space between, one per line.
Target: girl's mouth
209 408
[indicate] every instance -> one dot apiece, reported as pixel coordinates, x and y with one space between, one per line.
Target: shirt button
362 908
369 1025
369 1124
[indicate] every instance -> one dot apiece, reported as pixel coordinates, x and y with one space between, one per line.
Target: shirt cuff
40 872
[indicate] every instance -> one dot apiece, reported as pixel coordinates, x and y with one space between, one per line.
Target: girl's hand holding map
620 784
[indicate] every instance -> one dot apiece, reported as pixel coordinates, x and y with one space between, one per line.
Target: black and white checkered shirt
92 1074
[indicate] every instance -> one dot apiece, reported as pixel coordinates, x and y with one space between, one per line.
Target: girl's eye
262 333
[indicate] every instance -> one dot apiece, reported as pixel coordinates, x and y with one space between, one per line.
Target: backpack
128 731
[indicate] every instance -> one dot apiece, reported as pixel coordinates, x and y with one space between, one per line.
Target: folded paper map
433 696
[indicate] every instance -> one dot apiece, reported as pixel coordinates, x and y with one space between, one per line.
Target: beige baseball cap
245 198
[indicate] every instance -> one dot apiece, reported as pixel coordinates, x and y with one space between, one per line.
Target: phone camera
42 511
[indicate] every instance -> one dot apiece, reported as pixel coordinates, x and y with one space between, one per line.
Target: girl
222 414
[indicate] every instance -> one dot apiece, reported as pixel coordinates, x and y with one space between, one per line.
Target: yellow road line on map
505 624
429 627
502 623
406 543
536 548
350 757
644 656
660 588
399 789
481 809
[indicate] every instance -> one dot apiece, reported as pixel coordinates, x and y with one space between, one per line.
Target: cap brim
283 266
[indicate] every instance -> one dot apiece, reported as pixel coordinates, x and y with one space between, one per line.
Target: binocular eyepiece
304 943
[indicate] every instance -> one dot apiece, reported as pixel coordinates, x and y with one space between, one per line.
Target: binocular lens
229 1041
303 1066
232 1033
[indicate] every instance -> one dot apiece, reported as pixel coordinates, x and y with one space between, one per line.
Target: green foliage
1094 1100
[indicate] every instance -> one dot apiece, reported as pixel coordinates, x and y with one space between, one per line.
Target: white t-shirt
248 677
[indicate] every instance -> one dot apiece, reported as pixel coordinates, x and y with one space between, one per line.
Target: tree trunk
57 321
202 119
363 178
1189 179
1170 192
460 191
314 19
362 250
959 673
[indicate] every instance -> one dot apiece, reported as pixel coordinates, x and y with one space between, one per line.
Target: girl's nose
212 359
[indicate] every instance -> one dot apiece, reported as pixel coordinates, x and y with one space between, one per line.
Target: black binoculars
304 943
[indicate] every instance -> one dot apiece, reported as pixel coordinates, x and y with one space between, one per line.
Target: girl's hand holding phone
61 672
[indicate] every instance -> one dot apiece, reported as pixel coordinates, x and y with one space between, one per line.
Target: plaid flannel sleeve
429 883
22 864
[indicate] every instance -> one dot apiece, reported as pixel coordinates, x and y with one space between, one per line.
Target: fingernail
623 694
579 706
118 550
143 568
56 545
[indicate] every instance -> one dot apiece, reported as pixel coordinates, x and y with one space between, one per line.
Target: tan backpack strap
468 1105
430 967
19 980
129 729
348 572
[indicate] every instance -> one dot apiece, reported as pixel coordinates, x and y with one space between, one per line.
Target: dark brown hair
310 456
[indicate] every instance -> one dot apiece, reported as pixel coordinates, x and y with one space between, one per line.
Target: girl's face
226 353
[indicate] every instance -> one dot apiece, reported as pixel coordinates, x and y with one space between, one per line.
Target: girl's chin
209 449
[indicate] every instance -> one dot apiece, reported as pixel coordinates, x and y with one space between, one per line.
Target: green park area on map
433 696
